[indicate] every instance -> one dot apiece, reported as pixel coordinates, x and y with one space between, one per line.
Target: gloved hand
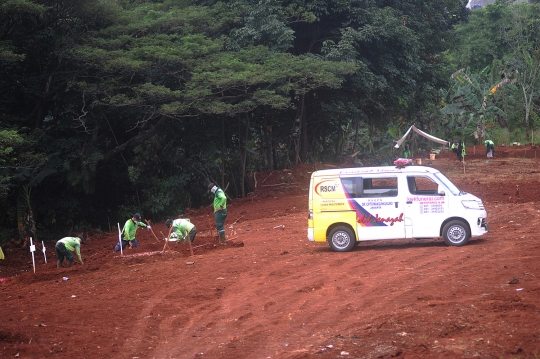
148 227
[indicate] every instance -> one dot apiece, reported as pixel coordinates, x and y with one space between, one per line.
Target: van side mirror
440 191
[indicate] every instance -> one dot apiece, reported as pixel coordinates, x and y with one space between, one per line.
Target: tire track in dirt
216 320
134 342
189 310
172 328
213 323
200 312
163 335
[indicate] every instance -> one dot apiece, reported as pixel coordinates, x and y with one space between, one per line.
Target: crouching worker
129 231
490 148
65 246
182 227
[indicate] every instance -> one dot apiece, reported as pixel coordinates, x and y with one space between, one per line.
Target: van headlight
471 204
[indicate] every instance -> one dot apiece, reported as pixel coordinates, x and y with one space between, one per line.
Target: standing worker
182 227
65 246
407 152
454 147
128 233
220 210
490 148
461 152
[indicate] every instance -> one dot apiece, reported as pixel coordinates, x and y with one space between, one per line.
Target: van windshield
451 187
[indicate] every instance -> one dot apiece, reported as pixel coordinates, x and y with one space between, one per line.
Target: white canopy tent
421 133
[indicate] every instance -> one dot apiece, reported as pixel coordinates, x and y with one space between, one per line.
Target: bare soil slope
272 294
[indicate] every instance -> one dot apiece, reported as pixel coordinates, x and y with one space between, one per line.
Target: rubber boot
69 263
222 239
58 264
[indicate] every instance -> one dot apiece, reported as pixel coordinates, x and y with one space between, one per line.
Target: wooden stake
267 177
238 219
166 245
212 227
32 249
151 230
190 247
120 240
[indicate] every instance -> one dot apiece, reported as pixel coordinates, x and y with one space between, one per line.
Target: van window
379 187
358 187
420 185
451 187
350 185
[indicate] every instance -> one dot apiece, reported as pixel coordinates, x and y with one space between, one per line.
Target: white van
350 205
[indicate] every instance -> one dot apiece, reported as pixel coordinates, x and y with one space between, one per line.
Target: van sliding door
379 212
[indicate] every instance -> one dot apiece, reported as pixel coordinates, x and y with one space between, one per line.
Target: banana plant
469 102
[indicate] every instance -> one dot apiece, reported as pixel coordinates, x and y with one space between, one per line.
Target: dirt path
272 294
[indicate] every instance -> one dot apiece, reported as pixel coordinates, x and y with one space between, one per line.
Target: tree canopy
131 106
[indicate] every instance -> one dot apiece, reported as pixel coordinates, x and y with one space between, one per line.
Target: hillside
270 293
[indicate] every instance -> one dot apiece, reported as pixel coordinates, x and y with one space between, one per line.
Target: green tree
136 103
33 37
19 173
480 43
522 36
470 101
161 75
14 18
398 49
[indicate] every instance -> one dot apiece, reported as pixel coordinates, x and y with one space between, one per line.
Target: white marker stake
44 255
120 240
33 249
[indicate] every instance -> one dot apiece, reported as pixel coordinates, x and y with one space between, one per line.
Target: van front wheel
341 239
456 233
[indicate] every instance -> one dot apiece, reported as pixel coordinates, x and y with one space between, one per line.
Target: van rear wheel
456 233
341 239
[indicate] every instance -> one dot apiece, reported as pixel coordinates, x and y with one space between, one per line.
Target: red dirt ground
270 293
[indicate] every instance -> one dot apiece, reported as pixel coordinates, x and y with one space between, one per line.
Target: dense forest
110 107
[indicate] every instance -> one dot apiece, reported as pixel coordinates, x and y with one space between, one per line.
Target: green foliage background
113 107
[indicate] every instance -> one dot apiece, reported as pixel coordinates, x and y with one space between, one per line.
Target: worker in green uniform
129 231
461 151
183 228
454 147
65 246
220 211
407 152
490 148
